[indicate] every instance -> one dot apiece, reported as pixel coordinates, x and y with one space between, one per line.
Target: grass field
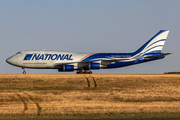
89 96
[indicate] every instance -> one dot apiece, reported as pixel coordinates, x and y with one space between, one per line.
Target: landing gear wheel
84 72
78 72
87 72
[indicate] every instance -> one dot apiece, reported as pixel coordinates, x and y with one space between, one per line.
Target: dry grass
71 94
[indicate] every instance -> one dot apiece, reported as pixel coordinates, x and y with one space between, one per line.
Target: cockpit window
18 53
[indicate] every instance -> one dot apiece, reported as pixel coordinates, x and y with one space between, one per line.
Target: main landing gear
84 72
24 72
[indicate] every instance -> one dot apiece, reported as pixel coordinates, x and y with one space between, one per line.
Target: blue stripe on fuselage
107 56
118 64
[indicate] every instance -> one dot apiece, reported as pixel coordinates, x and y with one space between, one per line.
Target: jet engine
94 65
66 68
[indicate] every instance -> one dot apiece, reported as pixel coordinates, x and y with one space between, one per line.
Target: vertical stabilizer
155 44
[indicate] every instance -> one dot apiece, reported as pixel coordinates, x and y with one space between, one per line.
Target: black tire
78 72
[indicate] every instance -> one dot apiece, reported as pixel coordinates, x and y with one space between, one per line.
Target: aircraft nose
10 61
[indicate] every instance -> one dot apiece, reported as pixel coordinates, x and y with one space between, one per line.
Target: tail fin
155 44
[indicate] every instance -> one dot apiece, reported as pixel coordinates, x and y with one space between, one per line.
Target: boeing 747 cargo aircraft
83 63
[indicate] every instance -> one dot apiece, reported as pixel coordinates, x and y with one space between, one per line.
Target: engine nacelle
66 68
94 65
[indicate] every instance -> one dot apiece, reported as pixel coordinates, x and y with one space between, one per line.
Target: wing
104 61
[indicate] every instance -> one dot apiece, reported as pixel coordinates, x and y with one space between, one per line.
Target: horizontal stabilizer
156 56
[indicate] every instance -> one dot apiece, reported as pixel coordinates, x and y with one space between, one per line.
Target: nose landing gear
24 72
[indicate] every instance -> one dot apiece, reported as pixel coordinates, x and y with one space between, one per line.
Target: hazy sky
89 26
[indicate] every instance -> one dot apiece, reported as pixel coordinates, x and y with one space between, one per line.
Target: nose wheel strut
24 72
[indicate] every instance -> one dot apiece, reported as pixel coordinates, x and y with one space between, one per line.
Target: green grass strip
93 116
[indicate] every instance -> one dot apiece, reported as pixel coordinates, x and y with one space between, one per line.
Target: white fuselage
44 59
